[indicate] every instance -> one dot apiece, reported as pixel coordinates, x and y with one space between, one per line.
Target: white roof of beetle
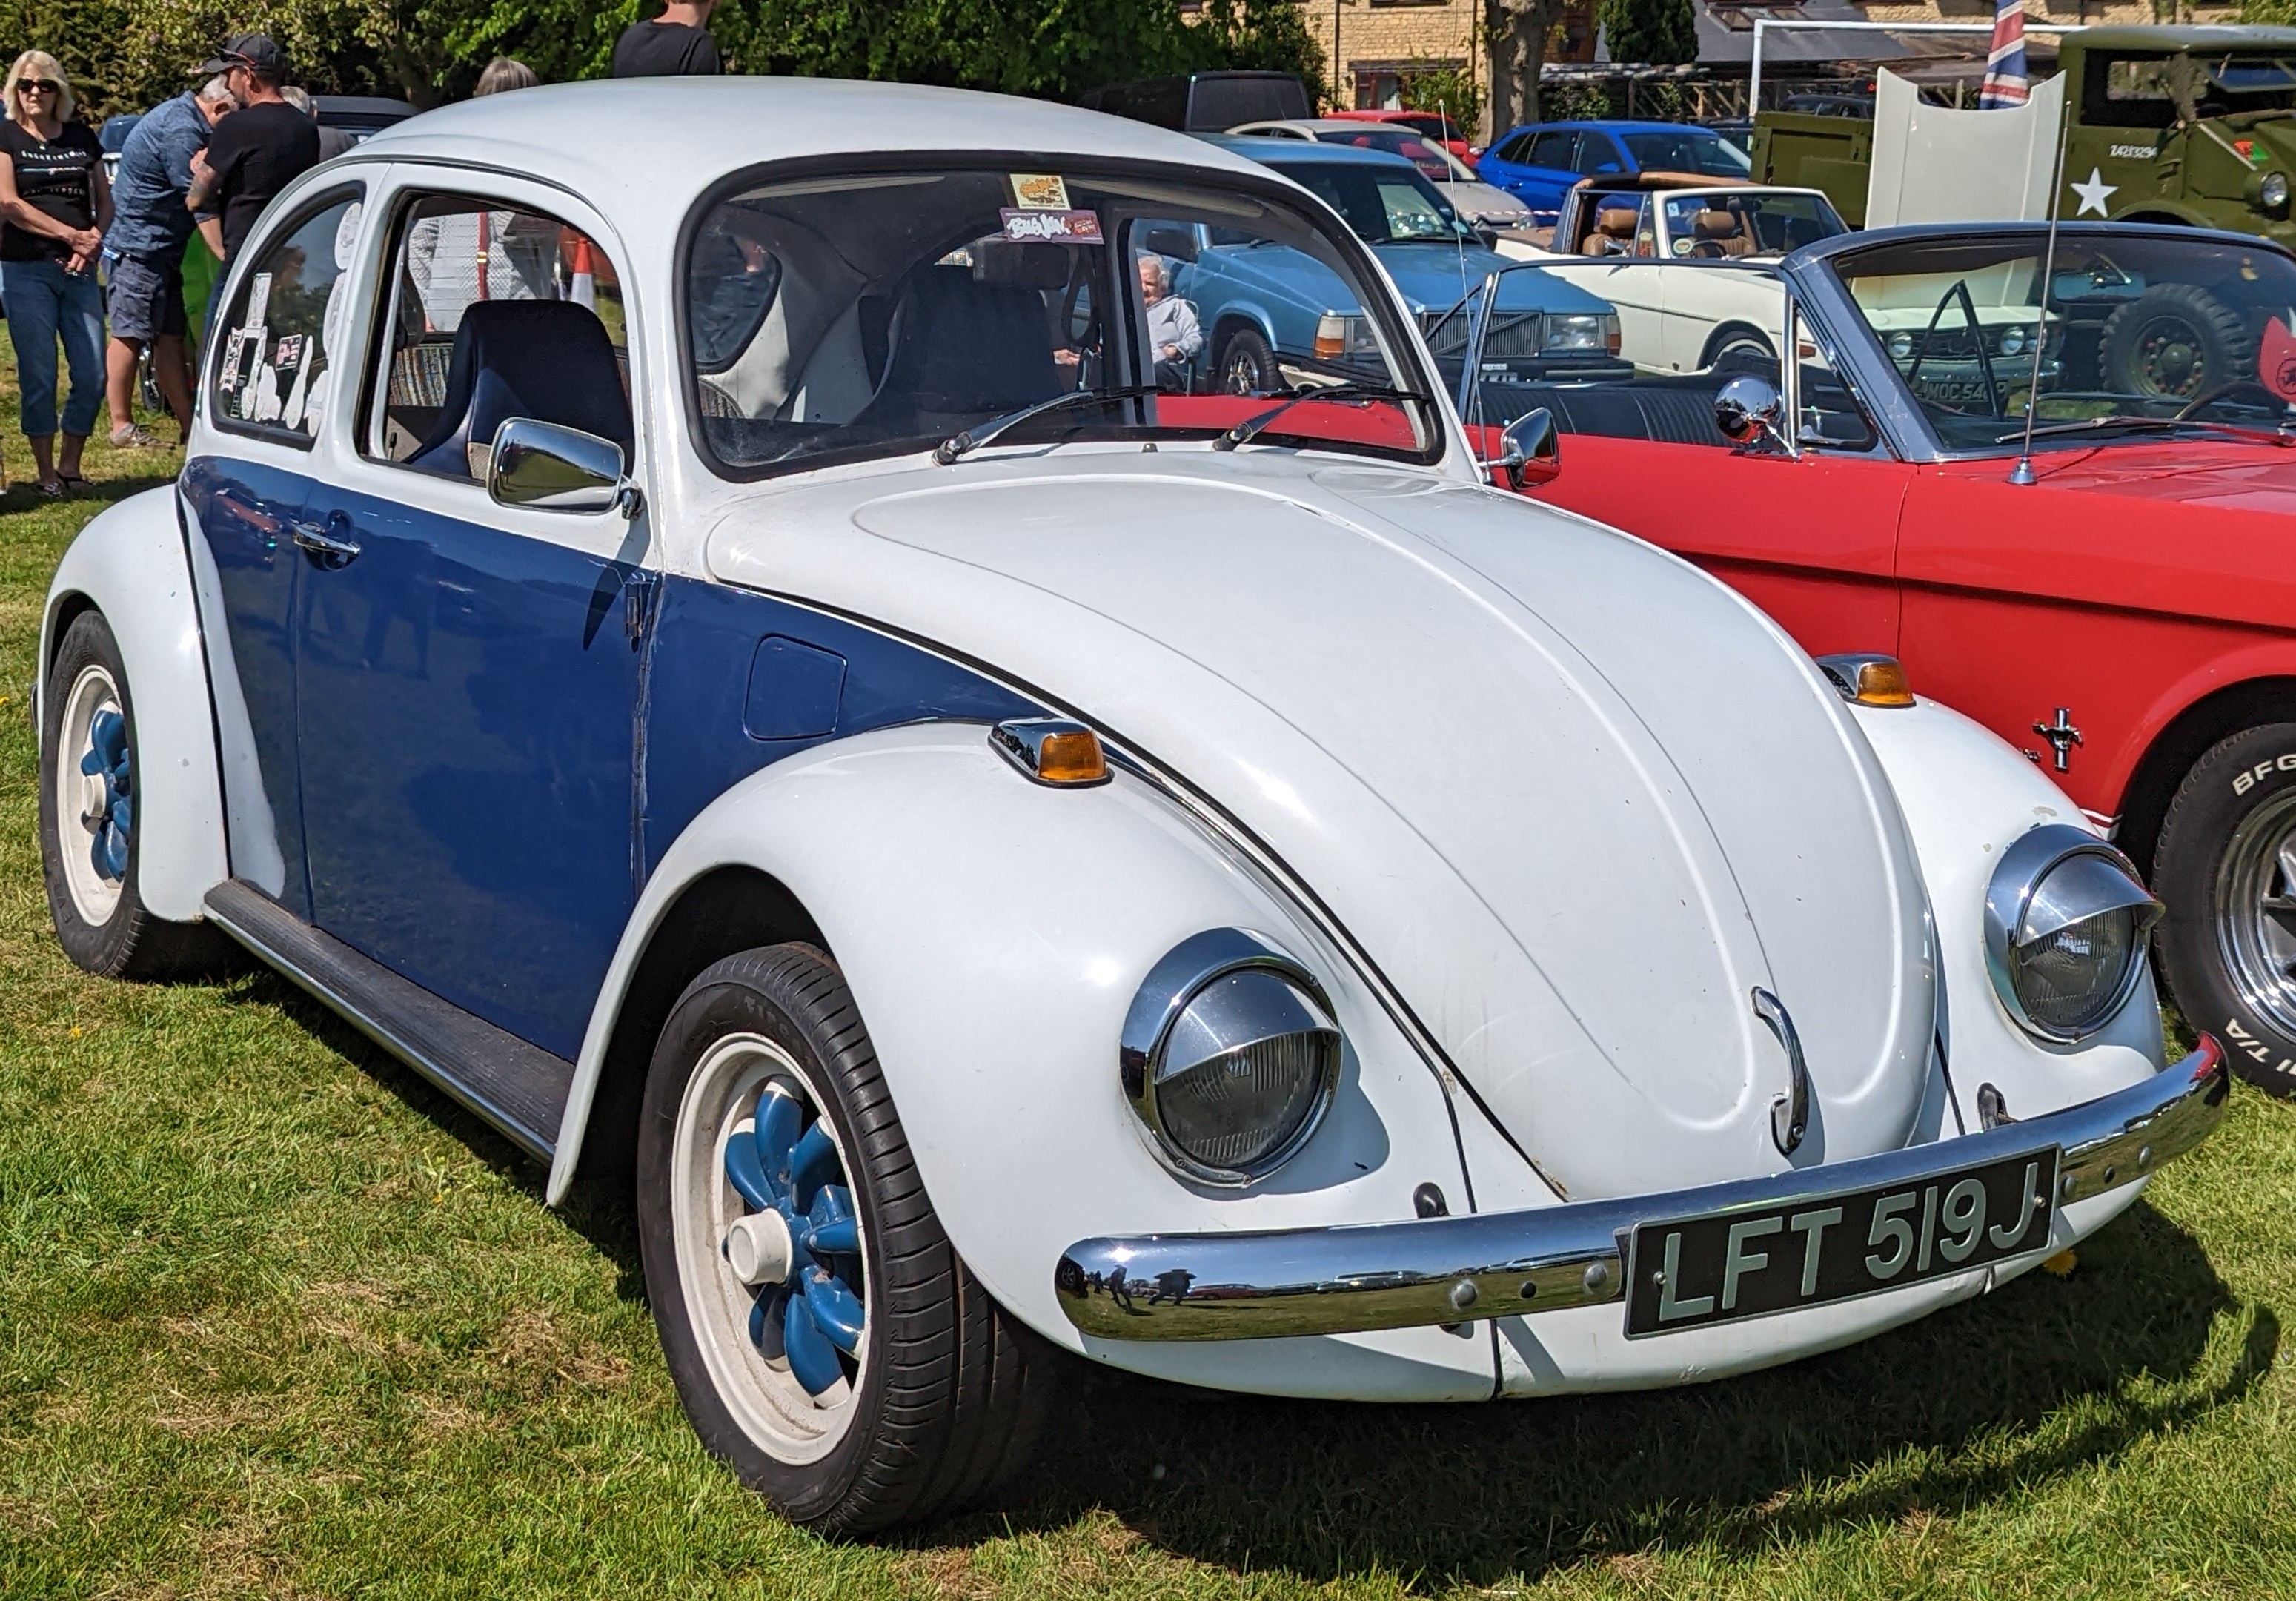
641 149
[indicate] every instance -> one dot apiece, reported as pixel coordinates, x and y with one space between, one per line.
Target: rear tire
2175 342
2226 867
1247 367
91 850
940 1396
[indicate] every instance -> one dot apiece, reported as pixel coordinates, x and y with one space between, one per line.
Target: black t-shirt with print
255 153
52 175
665 49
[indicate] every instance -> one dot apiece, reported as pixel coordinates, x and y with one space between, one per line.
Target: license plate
1688 1272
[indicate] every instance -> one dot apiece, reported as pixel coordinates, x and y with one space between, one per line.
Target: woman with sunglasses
54 206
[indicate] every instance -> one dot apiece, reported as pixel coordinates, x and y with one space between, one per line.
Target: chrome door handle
330 550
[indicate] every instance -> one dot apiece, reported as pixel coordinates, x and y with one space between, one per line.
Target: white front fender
1967 794
993 932
130 565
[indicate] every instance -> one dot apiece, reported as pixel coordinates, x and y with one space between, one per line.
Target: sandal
54 488
74 480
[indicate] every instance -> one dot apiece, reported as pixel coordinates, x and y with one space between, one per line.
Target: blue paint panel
468 700
794 691
243 510
699 703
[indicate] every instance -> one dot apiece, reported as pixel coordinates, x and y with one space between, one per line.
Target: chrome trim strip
1429 1270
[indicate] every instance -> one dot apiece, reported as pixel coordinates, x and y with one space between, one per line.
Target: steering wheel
2237 386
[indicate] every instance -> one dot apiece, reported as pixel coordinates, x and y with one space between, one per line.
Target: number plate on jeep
1686 1272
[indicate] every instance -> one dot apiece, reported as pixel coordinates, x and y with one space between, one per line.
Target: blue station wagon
1262 306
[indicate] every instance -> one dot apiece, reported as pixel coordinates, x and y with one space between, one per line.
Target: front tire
826 1338
91 850
2226 866
1247 367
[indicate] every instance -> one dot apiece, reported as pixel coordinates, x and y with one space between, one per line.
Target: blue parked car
1538 164
1264 307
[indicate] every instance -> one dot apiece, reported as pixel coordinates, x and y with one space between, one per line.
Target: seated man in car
1172 326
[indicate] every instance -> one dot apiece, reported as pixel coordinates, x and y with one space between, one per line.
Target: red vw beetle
2123 608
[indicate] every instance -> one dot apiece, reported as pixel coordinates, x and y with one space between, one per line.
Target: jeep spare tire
2226 866
2176 342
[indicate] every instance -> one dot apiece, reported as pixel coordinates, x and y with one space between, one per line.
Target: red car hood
2222 475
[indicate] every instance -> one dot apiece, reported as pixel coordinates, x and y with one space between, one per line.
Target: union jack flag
2004 64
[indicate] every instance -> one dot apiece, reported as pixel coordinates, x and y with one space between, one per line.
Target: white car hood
1576 800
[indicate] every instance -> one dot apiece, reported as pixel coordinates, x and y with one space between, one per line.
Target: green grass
277 1319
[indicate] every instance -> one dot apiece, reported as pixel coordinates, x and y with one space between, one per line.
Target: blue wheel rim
784 1158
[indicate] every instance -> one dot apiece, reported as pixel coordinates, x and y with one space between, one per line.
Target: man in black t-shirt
258 150
674 45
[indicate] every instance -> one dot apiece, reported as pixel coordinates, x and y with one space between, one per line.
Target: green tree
1660 32
1450 90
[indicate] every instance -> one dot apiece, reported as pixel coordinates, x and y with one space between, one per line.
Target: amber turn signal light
1868 681
1052 751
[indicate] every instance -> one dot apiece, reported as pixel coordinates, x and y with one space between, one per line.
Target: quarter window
1556 151
274 374
497 311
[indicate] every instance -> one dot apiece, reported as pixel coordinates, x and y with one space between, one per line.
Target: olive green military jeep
2178 124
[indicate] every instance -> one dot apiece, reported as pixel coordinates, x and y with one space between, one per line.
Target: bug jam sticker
1039 191
1058 227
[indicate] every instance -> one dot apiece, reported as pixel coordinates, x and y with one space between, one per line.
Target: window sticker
1059 227
1040 191
347 233
259 302
2275 357
267 394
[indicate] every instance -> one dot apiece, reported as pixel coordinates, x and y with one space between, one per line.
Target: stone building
1372 47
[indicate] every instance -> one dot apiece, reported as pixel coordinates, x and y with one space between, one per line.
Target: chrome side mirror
1748 410
1530 450
556 469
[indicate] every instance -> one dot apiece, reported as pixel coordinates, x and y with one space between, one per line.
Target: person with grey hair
332 141
506 73
143 256
480 254
1172 330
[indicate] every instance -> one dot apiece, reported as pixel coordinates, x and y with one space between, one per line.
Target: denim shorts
145 299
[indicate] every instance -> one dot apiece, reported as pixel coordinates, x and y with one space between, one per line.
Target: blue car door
244 502
467 673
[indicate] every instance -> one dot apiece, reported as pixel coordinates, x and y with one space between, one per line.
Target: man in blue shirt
143 254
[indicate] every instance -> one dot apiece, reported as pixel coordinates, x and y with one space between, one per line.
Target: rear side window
495 310
274 374
1554 150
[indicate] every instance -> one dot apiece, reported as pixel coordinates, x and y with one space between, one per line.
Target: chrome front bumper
1444 1271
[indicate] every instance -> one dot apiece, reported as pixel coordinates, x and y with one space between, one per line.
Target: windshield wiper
2280 435
1245 431
950 450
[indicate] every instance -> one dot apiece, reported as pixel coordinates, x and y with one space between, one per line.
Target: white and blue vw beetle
734 671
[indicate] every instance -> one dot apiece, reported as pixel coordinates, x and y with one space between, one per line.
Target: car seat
1614 231
549 360
1718 233
962 350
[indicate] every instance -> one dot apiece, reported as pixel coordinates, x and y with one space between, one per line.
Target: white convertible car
730 667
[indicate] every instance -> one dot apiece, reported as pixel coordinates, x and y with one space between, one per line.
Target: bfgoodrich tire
91 849
2226 866
826 1338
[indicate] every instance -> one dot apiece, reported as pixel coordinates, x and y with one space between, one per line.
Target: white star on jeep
2095 192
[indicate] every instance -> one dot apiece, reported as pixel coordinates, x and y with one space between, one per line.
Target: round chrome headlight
2013 341
2274 190
2066 923
1229 1057
1901 345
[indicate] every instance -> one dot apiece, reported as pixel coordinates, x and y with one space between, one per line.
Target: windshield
1717 222
833 318
1383 203
2161 329
1687 149
1433 161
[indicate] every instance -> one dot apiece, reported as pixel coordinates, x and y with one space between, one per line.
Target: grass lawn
277 1319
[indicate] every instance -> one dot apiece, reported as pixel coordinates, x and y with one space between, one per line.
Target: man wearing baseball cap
258 150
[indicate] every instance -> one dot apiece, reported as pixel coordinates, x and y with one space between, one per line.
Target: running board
519 1089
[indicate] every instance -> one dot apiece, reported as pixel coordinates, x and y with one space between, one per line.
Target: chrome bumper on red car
1447 1270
